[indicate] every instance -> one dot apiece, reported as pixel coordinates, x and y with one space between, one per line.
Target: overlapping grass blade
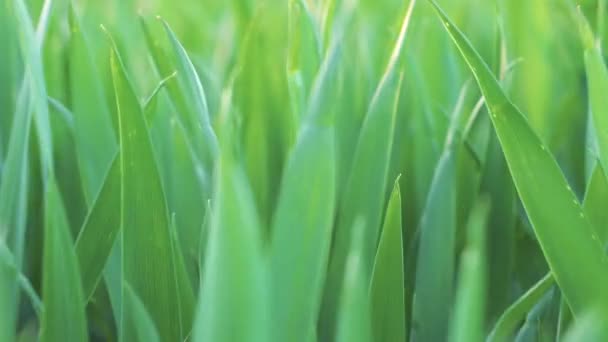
468 316
232 305
435 263
99 231
13 202
595 201
597 81
93 132
303 220
543 191
148 261
30 48
138 317
504 328
386 289
63 318
364 193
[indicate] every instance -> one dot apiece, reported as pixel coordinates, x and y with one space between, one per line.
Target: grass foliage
303 170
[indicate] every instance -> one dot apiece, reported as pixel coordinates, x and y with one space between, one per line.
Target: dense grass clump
303 170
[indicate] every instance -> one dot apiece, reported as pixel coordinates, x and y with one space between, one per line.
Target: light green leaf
98 233
468 317
386 289
354 321
233 301
63 318
148 261
95 141
544 192
302 229
435 266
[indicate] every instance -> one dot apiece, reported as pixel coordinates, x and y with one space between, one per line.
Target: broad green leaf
93 132
233 301
303 220
504 328
436 254
138 317
354 321
544 192
63 318
468 315
596 198
302 231
148 261
98 233
386 289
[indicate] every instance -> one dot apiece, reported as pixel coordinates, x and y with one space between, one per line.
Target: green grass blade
470 303
138 317
504 328
595 201
30 49
194 96
63 318
95 141
98 233
386 290
13 204
232 305
354 321
302 229
436 254
544 191
148 264
597 82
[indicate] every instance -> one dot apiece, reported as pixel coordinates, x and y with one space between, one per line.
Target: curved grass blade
468 313
193 96
148 261
386 289
544 192
354 322
98 233
504 328
138 317
63 318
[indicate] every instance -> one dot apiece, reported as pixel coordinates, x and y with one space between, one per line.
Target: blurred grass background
267 54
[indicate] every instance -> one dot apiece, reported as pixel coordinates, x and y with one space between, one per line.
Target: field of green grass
303 170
